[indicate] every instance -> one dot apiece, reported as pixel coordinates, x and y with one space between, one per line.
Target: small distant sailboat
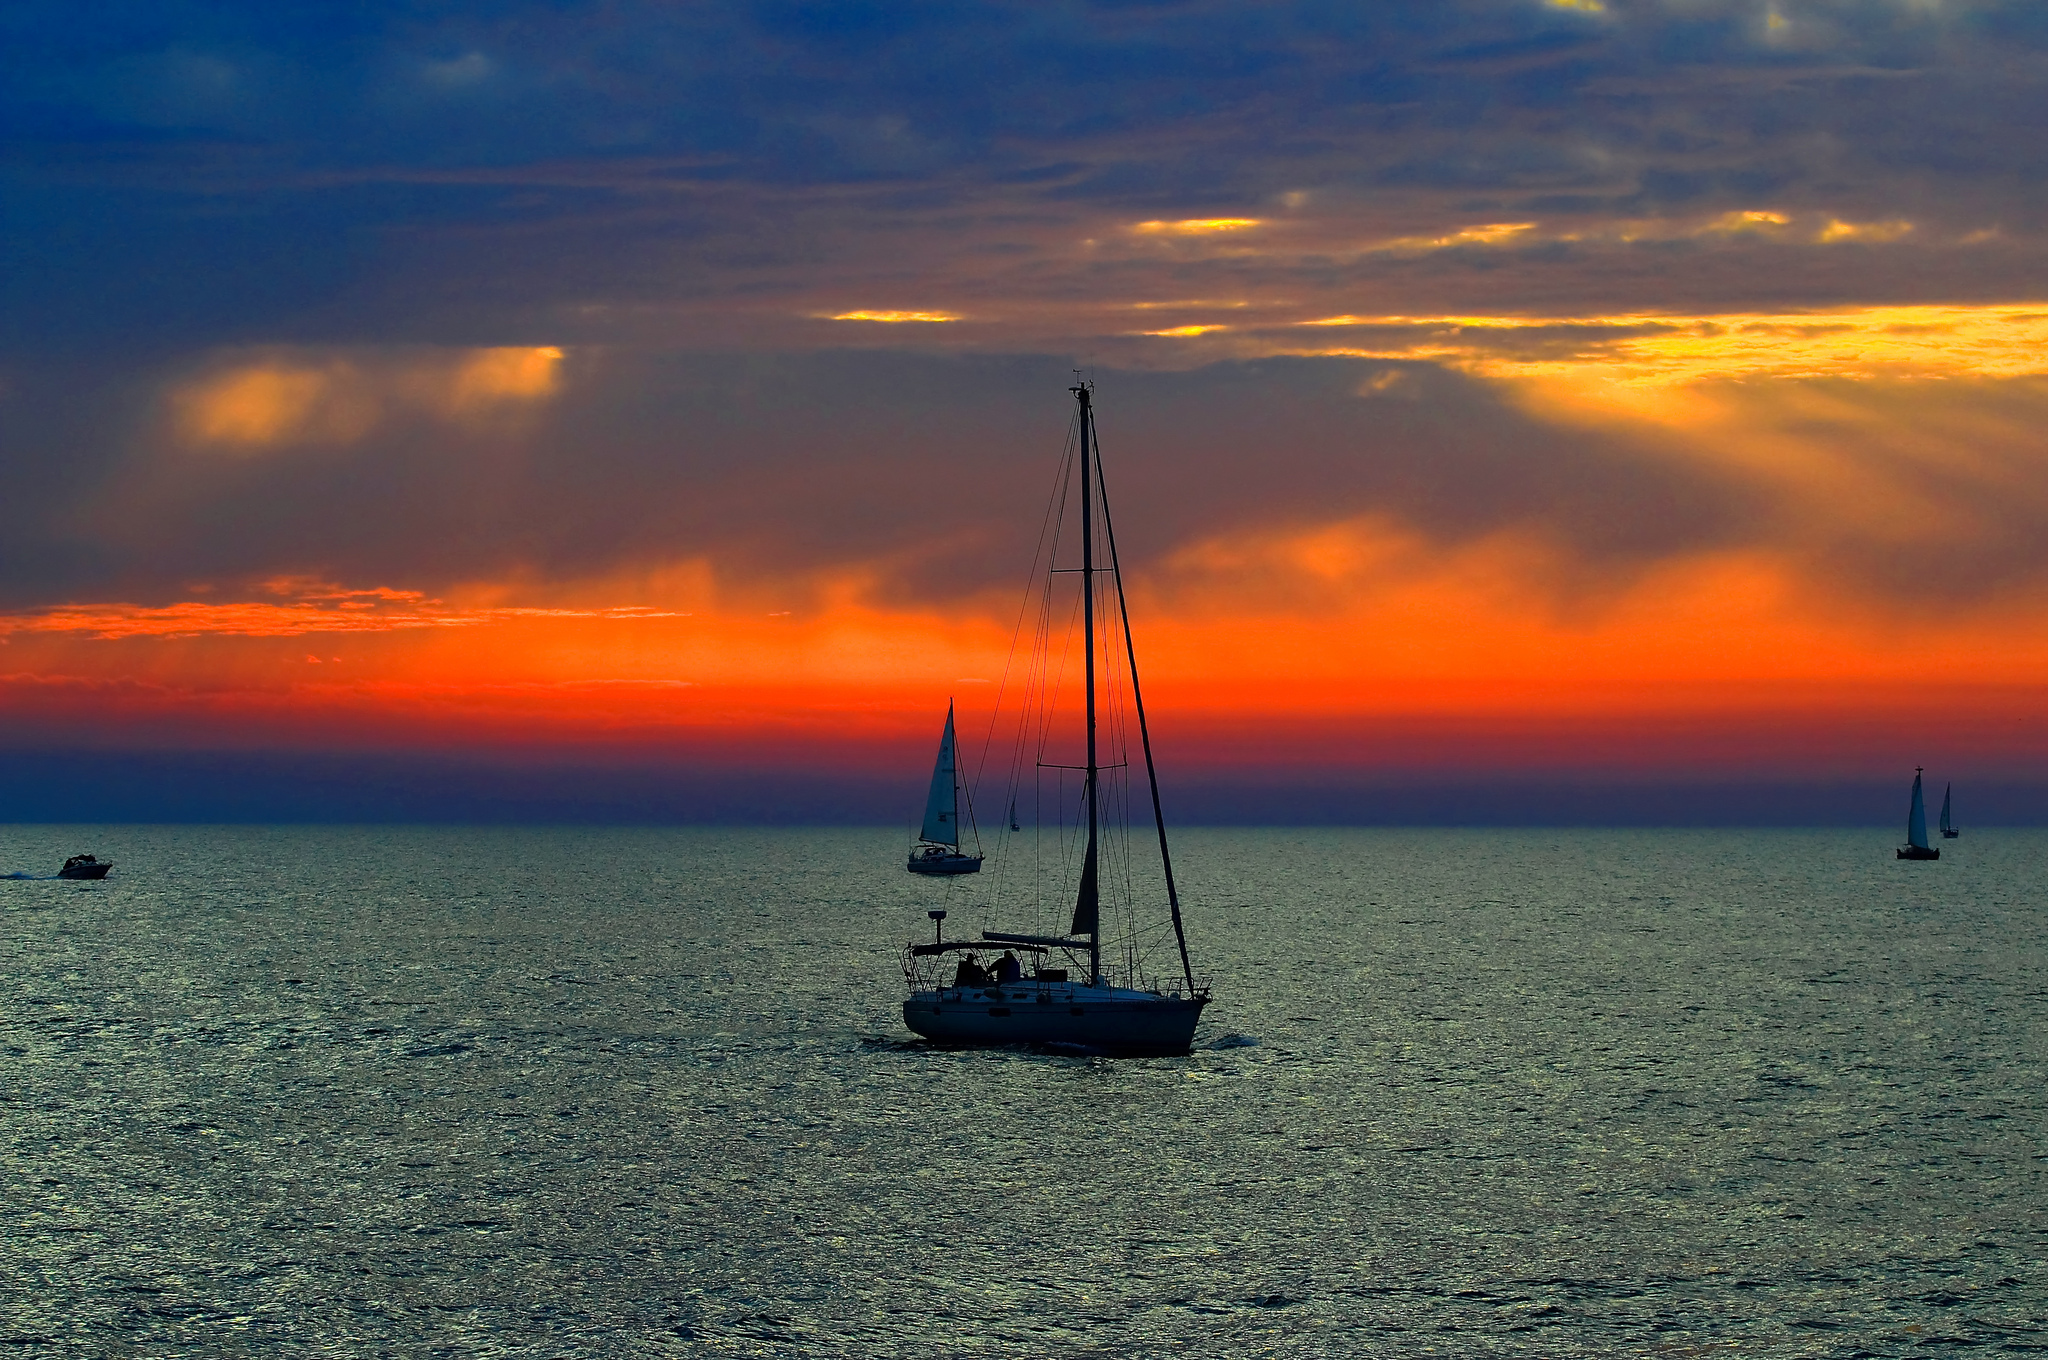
938 846
1916 846
1013 816
1949 829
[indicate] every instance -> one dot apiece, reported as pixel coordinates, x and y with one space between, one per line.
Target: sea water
519 1092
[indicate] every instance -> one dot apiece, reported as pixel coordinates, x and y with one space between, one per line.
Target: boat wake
31 878
1231 1041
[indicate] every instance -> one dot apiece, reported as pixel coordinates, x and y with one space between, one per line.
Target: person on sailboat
969 973
1008 969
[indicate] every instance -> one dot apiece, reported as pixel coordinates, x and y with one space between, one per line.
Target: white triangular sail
942 804
1916 821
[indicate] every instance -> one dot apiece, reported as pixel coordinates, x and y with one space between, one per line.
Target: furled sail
1088 902
942 804
1916 821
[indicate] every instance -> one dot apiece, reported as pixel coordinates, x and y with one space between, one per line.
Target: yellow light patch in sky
2008 340
1730 223
299 398
506 373
1181 331
1583 6
1838 230
265 403
1198 226
1491 234
894 317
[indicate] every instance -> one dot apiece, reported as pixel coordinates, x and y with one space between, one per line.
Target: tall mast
1088 909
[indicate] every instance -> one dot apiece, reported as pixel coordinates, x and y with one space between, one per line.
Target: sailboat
1091 1002
1916 846
938 845
1949 829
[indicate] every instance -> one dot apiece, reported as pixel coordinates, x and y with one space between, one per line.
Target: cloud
1492 234
249 404
1838 230
1197 226
305 607
1997 341
893 317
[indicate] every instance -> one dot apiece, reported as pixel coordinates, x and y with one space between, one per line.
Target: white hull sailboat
938 849
1066 989
1916 846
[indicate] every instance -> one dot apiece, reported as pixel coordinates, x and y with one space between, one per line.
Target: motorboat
85 866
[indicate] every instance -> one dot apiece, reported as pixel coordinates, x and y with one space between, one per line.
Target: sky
645 410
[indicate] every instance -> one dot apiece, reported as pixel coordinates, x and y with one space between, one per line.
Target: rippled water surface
645 1092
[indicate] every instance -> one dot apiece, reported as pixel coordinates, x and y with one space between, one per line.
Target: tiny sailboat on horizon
1916 846
1949 829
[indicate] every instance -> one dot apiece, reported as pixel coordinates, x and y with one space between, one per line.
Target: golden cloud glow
1198 226
2009 340
1492 234
894 318
308 607
1730 223
1584 6
504 374
1838 230
271 403
1181 332
1370 622
294 397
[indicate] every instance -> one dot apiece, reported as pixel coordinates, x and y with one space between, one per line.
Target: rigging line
1047 679
1144 729
1047 524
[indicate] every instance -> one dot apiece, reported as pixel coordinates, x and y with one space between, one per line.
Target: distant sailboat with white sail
1916 846
1949 829
939 849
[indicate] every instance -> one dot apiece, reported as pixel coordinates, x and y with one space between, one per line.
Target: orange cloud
1326 639
1492 234
894 318
314 607
2001 340
1838 230
248 404
1198 226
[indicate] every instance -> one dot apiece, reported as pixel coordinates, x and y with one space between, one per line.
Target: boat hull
84 871
944 864
1918 852
1950 835
1107 1020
